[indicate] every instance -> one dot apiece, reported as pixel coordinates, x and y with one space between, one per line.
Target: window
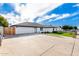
41 29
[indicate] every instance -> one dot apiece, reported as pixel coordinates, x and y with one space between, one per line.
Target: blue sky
6 8
65 14
54 14
65 8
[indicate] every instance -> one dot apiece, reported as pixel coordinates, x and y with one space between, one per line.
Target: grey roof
31 24
49 26
28 24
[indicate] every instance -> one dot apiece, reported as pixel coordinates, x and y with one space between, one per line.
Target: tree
65 27
70 27
75 27
3 21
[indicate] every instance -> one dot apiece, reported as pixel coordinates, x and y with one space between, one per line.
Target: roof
28 24
49 26
31 24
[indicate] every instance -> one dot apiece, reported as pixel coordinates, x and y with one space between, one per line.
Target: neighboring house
28 27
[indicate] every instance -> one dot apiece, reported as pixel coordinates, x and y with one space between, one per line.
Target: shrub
60 32
54 31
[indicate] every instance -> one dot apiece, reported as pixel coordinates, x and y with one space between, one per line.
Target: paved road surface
39 45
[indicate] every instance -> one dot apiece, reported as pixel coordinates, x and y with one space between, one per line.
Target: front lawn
68 34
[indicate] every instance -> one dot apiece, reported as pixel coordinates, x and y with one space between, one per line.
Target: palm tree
3 21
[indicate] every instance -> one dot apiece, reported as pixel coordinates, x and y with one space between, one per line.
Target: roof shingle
31 24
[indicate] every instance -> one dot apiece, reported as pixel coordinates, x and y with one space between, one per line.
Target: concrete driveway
39 45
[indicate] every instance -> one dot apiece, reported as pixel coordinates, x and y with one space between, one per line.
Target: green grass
68 34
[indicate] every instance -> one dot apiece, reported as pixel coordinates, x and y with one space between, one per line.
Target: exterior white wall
59 29
1 29
23 30
38 30
47 29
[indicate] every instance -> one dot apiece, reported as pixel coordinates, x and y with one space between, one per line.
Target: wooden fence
9 30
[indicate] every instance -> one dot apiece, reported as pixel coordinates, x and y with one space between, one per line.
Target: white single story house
28 27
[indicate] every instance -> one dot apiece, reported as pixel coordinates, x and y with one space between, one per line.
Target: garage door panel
23 30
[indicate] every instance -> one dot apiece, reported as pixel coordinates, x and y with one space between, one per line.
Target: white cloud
17 7
39 1
63 16
77 5
50 16
32 10
47 17
58 17
11 18
40 19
